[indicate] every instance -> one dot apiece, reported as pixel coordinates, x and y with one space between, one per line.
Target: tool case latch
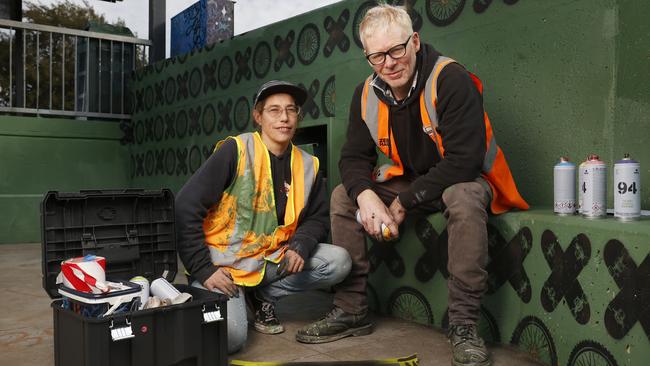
88 240
121 331
211 314
132 236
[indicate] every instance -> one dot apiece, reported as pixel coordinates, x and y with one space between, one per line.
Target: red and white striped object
85 274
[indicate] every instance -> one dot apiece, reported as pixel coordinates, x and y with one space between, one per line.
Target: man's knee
340 201
467 198
336 263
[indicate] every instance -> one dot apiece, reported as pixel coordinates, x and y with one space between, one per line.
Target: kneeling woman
255 216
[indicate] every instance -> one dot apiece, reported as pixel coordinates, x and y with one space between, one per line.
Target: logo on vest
383 142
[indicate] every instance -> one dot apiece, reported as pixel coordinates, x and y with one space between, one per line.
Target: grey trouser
465 208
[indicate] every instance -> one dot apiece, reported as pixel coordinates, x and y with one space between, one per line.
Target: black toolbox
134 231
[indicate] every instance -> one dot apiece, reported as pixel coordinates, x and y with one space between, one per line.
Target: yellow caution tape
411 360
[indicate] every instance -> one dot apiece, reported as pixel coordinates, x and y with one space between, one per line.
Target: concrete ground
26 335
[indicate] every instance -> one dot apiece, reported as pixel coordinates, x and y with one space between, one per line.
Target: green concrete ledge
565 289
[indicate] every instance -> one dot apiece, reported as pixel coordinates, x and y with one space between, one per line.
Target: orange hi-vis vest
495 170
241 230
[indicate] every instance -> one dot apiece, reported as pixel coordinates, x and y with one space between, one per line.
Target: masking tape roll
85 274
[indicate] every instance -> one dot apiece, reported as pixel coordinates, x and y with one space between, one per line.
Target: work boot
335 325
468 348
265 319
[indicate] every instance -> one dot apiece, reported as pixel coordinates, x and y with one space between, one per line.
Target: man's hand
291 263
222 280
399 214
373 213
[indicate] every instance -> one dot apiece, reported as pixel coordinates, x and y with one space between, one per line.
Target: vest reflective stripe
495 168
242 230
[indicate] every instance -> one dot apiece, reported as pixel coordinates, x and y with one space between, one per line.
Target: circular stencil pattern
358 17
181 123
225 72
209 119
170 90
139 132
408 303
532 336
262 59
196 81
242 113
195 158
148 97
328 97
158 128
170 161
444 12
308 44
149 163
590 353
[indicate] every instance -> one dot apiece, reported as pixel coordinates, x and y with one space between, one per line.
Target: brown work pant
465 208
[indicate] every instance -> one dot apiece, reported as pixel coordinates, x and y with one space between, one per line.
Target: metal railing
66 72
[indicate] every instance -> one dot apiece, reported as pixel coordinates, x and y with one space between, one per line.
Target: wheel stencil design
408 303
590 353
328 97
225 72
308 44
242 113
196 81
532 336
358 17
444 12
262 59
209 119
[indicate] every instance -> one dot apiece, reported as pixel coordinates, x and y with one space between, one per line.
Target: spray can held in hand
385 231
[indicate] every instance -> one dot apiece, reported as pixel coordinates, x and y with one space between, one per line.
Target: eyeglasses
276 111
378 58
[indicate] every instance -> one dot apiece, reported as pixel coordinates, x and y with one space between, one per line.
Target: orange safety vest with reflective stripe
495 170
241 230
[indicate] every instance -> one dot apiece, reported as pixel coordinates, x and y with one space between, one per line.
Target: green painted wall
42 154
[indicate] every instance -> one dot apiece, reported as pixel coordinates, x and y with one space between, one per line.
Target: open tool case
134 231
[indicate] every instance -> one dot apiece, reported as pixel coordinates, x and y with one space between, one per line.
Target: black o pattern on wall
225 72
209 120
283 46
336 31
181 124
158 128
148 98
170 91
308 44
209 71
310 107
170 161
358 17
242 114
531 335
328 97
195 121
170 125
181 83
591 353
196 82
487 325
386 252
139 132
261 59
225 122
563 282
632 303
409 303
160 162
243 70
149 163
195 159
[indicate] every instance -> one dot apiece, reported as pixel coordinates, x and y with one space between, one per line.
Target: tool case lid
132 228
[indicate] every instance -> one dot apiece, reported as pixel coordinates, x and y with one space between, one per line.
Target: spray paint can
627 189
564 187
581 183
385 231
594 187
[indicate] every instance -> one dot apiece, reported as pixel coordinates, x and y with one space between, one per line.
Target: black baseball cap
298 93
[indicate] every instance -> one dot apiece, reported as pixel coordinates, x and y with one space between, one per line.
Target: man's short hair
384 17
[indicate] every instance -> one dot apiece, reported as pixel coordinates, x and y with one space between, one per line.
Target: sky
249 14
